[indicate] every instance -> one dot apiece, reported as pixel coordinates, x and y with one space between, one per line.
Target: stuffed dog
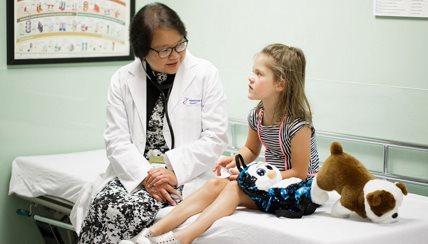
360 191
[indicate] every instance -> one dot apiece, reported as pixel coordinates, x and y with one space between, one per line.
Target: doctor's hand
159 176
162 193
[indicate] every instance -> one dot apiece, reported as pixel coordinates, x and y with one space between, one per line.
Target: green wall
365 76
45 109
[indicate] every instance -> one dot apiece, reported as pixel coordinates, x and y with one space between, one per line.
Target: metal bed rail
52 202
234 124
55 207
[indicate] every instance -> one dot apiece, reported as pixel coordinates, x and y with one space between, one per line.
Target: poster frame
14 58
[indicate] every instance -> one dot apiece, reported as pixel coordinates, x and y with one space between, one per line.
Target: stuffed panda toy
263 183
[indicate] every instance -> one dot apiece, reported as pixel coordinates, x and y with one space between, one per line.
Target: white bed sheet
60 175
249 226
63 175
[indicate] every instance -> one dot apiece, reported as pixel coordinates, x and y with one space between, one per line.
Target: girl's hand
233 174
226 162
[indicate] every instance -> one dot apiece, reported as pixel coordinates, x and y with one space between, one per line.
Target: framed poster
62 31
401 8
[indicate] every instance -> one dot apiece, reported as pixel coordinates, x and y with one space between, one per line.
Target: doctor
166 127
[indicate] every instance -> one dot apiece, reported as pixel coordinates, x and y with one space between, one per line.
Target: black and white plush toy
263 183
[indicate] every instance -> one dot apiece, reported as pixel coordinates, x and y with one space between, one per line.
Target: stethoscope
164 98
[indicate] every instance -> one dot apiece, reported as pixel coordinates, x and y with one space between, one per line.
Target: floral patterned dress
115 214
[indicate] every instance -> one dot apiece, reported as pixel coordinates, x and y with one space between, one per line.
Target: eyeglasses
164 53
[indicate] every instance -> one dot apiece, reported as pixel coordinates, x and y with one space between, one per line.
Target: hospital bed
53 182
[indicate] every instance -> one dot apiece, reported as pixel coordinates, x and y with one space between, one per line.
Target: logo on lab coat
191 101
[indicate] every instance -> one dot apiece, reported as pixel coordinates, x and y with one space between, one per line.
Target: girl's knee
216 184
233 183
233 186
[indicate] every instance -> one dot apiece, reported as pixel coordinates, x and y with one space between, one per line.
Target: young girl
281 122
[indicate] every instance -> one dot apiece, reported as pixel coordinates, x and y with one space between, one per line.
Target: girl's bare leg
190 206
225 204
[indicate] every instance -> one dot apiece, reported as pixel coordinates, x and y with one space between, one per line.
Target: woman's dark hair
146 20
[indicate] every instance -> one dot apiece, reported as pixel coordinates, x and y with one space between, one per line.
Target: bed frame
51 213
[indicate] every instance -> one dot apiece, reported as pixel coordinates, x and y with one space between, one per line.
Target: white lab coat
197 111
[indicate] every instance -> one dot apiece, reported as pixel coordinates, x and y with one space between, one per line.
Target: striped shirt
277 141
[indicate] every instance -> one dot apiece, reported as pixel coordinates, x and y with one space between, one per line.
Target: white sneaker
144 233
143 240
167 238
126 242
140 238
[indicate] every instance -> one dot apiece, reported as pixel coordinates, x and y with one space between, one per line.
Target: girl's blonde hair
288 66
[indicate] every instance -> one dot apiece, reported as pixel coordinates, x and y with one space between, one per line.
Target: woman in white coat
167 108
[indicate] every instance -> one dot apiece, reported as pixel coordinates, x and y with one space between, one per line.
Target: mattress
58 175
251 226
63 175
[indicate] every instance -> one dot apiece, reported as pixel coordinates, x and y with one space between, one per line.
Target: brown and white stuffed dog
360 191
